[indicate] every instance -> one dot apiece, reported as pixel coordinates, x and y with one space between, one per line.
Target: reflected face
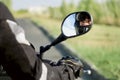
86 22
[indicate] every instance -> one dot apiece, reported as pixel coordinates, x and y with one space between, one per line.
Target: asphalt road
38 38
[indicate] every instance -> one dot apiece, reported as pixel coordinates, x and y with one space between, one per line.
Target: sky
24 4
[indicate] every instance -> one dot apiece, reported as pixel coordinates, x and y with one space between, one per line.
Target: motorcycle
74 25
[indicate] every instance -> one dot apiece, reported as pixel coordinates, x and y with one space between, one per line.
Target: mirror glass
76 24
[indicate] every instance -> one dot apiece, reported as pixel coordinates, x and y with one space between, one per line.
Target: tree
63 8
51 10
113 7
72 7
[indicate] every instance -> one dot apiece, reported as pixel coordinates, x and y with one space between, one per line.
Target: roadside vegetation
101 46
103 11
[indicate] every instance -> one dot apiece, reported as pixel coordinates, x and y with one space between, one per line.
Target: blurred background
100 47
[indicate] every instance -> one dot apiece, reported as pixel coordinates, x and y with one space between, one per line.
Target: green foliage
55 13
105 12
51 10
93 7
22 11
106 59
63 10
113 6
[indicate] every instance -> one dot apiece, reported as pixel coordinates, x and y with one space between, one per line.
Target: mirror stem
58 40
42 50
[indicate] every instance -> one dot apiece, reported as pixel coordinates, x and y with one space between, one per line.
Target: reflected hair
82 16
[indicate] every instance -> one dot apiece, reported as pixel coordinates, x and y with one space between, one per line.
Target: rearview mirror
76 24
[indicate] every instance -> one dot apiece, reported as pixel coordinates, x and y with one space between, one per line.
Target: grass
100 46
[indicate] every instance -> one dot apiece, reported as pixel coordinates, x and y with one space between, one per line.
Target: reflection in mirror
77 23
68 26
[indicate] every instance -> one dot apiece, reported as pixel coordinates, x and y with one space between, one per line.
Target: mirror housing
76 24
